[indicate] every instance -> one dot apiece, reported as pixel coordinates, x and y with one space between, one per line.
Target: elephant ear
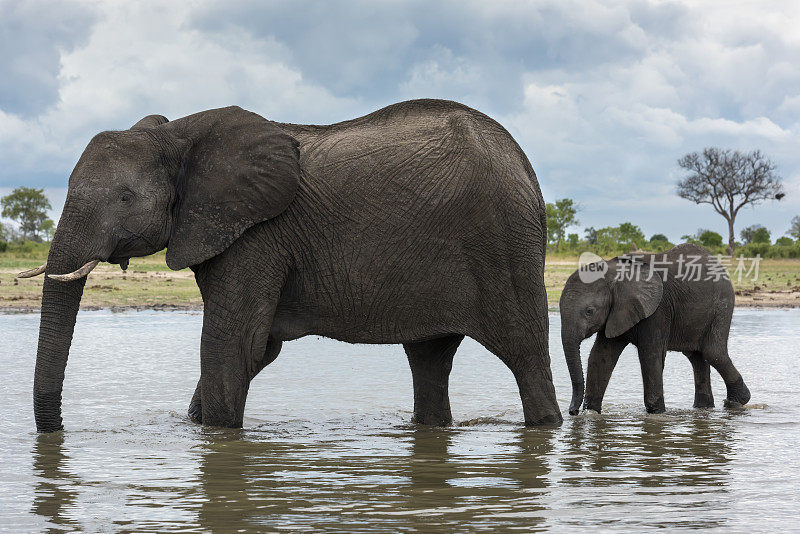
238 170
635 295
151 121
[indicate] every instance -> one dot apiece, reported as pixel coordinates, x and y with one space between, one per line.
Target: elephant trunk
60 303
572 352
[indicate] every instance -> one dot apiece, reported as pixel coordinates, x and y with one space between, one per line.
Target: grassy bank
148 283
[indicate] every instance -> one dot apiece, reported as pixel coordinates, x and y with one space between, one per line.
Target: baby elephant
678 300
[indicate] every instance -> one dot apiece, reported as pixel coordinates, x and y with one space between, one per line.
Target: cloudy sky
602 96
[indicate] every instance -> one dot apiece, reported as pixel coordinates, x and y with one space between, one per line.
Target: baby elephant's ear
238 170
635 295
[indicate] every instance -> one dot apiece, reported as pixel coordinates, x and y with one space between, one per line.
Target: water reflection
428 469
424 479
687 457
412 478
56 488
662 450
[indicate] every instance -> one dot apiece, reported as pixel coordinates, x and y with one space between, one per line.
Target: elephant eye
127 196
589 311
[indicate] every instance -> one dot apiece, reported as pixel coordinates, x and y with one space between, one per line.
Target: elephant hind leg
431 362
270 354
195 407
524 351
738 393
703 396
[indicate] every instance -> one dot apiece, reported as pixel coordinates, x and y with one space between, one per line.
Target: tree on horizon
560 216
28 207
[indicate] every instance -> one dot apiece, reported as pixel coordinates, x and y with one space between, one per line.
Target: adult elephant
680 300
417 224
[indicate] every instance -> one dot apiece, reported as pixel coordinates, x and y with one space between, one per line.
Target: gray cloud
32 36
368 50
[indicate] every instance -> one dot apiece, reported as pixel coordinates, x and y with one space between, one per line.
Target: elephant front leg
602 361
225 367
431 362
239 304
224 388
195 406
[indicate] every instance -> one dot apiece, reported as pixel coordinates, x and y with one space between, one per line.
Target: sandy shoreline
11 310
758 302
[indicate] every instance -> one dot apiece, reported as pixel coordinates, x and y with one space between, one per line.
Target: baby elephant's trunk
572 353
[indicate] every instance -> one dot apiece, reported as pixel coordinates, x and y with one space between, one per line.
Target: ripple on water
327 444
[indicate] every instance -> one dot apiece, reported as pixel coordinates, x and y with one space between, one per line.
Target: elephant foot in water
738 395
196 412
703 401
655 405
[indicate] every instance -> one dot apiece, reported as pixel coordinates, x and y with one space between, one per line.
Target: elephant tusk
74 275
33 272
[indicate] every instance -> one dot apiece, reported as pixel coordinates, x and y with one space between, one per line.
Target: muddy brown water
327 444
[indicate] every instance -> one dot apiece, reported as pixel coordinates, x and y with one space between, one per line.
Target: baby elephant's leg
703 396
738 394
651 359
602 360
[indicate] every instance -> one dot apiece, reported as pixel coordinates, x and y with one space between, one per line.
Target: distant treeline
614 240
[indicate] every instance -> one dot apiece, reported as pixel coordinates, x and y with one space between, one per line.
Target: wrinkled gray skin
418 224
656 315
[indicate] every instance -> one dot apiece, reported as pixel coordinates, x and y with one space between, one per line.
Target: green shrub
658 245
710 239
755 233
751 250
573 241
765 250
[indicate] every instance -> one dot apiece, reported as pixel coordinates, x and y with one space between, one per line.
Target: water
327 446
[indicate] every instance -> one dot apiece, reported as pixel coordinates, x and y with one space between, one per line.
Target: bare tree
729 180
